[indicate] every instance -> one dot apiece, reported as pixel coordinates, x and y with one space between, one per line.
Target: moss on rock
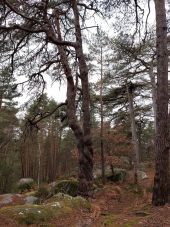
69 201
59 205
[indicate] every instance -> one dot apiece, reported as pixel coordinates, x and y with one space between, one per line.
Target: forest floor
115 205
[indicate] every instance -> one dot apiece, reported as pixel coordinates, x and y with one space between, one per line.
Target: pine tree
9 165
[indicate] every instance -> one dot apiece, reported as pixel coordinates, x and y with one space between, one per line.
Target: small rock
20 213
142 175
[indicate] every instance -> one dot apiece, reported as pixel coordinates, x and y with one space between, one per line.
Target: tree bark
134 134
86 154
101 118
160 190
83 135
153 85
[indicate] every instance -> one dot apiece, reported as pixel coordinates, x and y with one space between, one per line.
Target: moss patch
59 205
73 202
35 214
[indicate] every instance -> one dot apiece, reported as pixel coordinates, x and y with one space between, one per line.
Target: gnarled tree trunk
82 134
86 150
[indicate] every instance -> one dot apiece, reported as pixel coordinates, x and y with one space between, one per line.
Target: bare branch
42 116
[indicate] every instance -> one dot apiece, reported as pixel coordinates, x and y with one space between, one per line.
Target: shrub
26 184
42 192
69 187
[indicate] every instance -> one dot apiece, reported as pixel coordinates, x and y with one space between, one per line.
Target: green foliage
8 89
70 201
69 187
68 141
27 186
35 216
9 155
45 141
42 192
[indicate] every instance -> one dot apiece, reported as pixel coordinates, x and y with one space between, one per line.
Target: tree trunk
160 190
39 165
83 135
101 119
134 134
86 155
153 85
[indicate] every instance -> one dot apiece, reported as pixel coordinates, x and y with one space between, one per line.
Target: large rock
30 199
16 199
6 199
9 199
98 172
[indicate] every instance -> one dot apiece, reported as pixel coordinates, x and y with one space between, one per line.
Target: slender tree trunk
39 163
134 134
153 85
160 190
101 118
1 98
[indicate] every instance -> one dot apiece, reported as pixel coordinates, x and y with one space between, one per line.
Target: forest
84 113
